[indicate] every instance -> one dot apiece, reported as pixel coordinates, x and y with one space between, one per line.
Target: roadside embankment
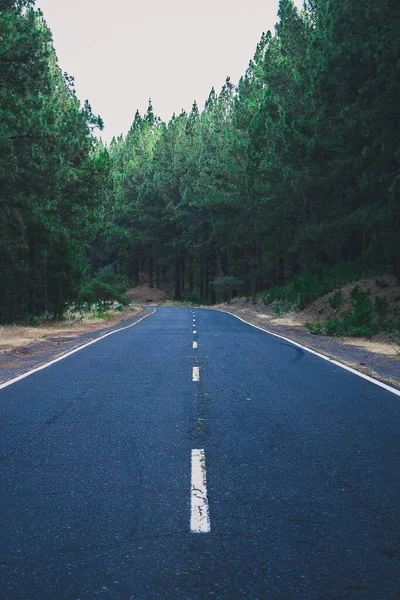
378 357
25 348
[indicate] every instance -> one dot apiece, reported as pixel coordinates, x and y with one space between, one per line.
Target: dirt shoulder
378 358
25 348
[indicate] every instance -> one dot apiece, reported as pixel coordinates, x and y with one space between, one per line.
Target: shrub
315 328
364 320
226 287
107 275
283 306
381 305
192 297
334 327
101 294
101 315
306 287
336 299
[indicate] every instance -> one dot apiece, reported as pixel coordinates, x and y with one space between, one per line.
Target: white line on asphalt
199 514
194 331
195 344
331 360
7 383
196 374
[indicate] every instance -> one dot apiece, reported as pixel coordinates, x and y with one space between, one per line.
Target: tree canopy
53 173
295 167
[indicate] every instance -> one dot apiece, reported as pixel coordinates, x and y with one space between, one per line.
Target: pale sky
122 52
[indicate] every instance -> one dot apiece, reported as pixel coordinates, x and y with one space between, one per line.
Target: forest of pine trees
295 168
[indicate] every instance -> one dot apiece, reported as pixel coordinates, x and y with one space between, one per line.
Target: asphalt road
301 473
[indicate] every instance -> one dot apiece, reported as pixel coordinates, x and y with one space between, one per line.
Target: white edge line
7 383
199 513
331 360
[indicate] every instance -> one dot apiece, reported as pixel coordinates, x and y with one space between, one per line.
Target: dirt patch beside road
143 294
14 338
25 348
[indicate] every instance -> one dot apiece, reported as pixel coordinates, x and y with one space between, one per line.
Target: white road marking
194 331
7 383
195 344
331 360
199 515
196 374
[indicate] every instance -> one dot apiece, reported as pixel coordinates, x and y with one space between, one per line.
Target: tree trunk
213 272
137 269
183 275
191 276
207 281
202 276
57 306
224 263
178 294
151 283
158 279
396 262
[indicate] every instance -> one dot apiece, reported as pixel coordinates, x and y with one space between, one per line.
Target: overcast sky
122 52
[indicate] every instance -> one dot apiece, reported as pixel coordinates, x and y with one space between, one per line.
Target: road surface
193 456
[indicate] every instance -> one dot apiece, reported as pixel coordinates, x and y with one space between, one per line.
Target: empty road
193 456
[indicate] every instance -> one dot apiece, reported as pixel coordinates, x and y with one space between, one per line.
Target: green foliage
227 286
364 320
283 306
305 288
101 315
336 299
288 182
192 297
315 328
101 294
52 171
107 275
276 181
381 306
395 337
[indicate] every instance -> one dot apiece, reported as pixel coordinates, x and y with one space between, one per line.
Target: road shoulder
382 367
14 364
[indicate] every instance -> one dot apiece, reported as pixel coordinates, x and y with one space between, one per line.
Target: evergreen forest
294 170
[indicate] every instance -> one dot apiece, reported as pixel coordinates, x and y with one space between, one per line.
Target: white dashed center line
196 374
194 331
195 344
199 516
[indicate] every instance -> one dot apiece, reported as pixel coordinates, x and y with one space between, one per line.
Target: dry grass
291 321
381 344
380 347
13 337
